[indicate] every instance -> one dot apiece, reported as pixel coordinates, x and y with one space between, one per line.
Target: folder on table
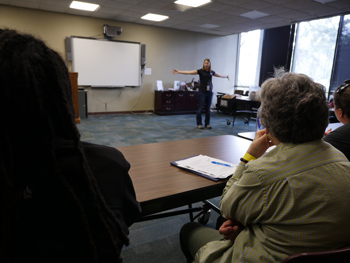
208 167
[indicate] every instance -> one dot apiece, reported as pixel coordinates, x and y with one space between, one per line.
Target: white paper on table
203 164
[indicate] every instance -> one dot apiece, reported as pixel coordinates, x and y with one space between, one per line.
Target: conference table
161 186
250 135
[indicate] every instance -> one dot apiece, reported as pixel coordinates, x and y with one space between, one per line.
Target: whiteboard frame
103 64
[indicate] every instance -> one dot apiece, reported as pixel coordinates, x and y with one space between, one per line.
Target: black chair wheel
228 123
204 218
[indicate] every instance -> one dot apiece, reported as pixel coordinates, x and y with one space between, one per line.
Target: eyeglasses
341 89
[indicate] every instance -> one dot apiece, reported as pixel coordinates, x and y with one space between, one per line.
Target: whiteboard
106 63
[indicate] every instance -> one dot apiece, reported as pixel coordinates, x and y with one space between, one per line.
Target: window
342 55
249 56
314 49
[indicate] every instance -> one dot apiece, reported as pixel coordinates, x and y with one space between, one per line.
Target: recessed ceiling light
254 14
209 26
84 6
324 1
193 3
154 17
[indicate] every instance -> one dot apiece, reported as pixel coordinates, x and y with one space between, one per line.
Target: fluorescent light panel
209 26
154 17
192 3
84 6
254 14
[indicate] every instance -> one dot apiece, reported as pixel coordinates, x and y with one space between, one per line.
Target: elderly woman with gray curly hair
294 198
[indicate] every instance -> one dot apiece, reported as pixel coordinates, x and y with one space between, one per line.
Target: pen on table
224 164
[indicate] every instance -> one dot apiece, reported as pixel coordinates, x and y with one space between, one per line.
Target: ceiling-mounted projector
111 31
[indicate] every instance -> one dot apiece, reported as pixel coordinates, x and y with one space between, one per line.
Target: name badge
208 87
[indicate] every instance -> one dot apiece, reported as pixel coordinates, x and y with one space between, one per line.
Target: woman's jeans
204 98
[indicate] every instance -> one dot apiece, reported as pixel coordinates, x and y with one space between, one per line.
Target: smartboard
106 63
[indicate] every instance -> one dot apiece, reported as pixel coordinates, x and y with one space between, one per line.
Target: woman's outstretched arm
186 72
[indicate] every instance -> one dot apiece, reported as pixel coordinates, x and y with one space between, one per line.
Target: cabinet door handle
168 101
181 95
191 95
168 95
167 108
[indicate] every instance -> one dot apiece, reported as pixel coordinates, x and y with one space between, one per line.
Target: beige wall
166 49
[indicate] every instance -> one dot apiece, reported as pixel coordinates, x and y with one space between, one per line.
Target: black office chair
334 256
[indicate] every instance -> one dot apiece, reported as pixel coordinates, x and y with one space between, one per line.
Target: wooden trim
73 76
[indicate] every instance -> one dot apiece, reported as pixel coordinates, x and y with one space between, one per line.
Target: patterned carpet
132 129
156 241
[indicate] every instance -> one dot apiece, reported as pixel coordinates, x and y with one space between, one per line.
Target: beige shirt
296 198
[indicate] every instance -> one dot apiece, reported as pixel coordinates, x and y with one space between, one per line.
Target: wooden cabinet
73 76
175 102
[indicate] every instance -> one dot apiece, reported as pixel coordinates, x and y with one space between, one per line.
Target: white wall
166 49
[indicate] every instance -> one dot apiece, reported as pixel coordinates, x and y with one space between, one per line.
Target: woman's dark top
340 139
205 78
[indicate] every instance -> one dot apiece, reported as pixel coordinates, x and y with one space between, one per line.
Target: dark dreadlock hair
66 218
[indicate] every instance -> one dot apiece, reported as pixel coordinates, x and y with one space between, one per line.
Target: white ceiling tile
273 10
103 15
215 7
224 13
152 3
320 9
26 4
117 5
197 12
125 1
278 2
236 11
256 5
125 18
106 10
332 12
143 9
300 4
340 4
65 3
233 2
293 14
53 8
219 15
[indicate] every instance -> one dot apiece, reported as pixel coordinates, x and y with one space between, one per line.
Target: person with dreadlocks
62 200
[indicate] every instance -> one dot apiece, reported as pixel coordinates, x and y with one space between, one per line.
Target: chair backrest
334 256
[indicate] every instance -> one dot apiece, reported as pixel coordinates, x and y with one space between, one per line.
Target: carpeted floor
156 240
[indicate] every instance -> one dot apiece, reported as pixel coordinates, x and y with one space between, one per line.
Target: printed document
209 166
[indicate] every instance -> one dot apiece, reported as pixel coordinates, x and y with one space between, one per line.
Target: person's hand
328 132
260 144
175 71
228 77
230 229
